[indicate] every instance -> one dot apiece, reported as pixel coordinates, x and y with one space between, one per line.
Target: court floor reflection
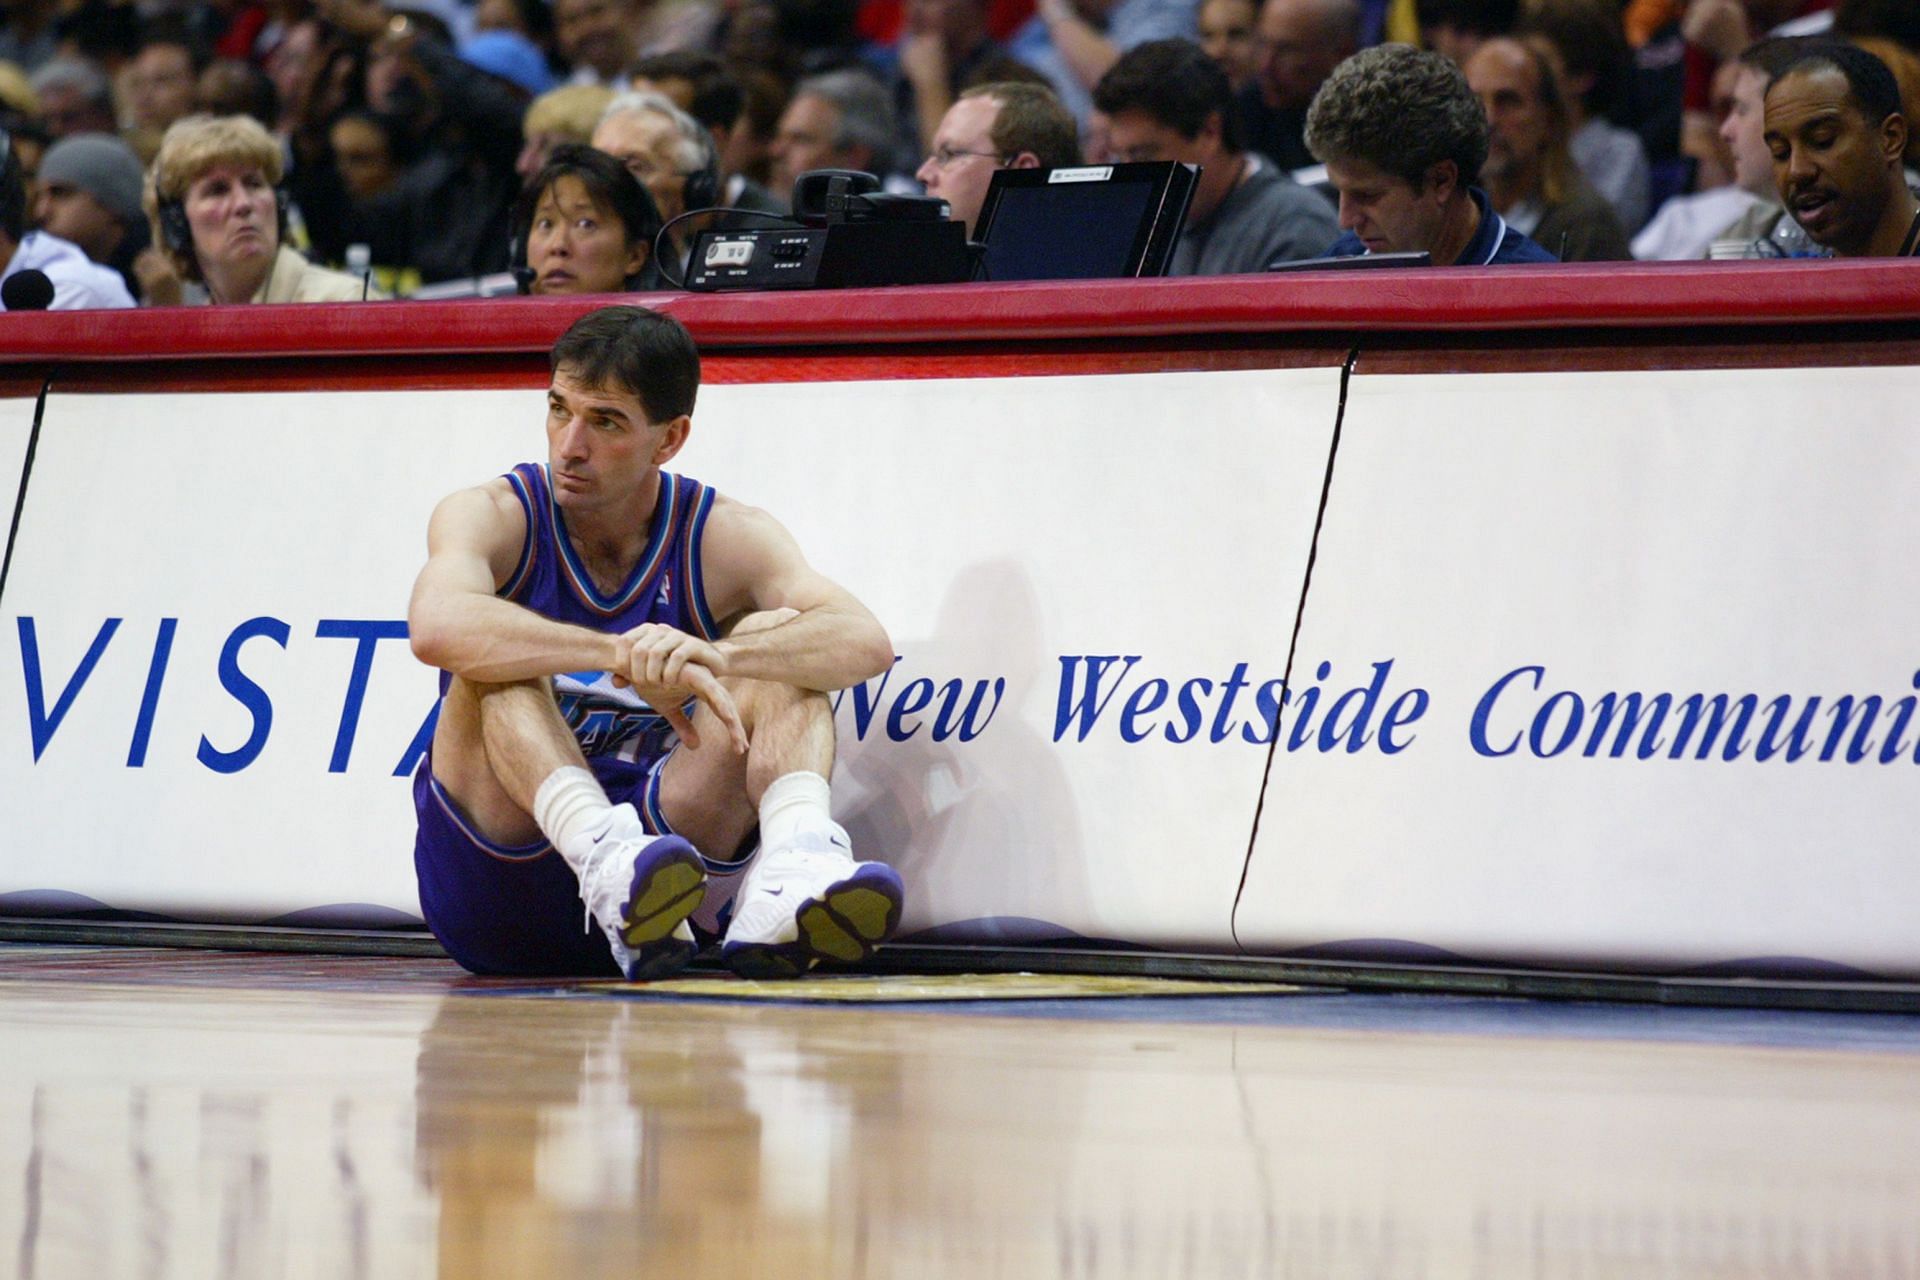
195 1132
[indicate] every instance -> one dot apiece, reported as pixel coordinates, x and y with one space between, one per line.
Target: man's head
231 87
74 98
596 35
1227 34
619 403
840 120
1403 138
1526 118
1003 125
1298 44
1836 134
89 192
661 145
1743 126
1455 28
1167 100
160 80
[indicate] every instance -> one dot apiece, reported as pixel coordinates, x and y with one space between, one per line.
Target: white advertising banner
1636 658
16 429
210 710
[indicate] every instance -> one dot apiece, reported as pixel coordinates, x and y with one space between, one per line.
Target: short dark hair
1588 36
718 98
608 184
1402 110
1176 83
1869 82
628 348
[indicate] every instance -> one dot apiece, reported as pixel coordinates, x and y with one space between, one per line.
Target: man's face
1743 129
1227 36
1385 211
599 443
596 33
1507 82
1296 52
804 141
1835 169
961 167
647 143
160 85
363 156
64 210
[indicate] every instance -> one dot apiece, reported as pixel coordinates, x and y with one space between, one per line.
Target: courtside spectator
1227 34
159 82
88 193
1297 45
1835 130
218 219
996 126
840 120
555 118
1593 61
1528 174
1403 139
668 152
77 282
74 97
585 225
1167 100
703 87
1743 219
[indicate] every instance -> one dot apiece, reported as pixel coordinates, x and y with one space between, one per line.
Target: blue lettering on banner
1110 697
1699 726
1353 722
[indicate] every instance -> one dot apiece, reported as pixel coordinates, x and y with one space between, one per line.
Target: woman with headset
219 217
584 225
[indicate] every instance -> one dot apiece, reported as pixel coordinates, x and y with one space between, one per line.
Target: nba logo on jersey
666 589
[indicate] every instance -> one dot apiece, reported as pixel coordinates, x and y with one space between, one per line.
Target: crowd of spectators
160 152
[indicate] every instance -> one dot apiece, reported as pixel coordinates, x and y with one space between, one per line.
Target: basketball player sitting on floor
635 672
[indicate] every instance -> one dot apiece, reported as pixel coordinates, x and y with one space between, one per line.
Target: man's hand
1718 26
923 60
665 666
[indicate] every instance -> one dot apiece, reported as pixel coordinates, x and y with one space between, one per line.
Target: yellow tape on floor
859 988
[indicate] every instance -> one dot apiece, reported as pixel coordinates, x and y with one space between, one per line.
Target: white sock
794 803
572 810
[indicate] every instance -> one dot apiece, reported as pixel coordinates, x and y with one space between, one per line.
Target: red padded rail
1456 300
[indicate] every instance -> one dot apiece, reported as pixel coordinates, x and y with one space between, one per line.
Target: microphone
27 290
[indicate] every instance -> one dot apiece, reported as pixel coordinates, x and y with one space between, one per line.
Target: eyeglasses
943 157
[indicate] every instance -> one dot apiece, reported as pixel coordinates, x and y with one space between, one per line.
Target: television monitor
1088 222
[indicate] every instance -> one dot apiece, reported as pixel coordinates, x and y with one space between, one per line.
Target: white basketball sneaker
640 889
809 902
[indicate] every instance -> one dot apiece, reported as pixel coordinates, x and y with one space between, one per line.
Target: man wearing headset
671 154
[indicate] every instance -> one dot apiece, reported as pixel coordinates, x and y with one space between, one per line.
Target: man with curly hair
1403 138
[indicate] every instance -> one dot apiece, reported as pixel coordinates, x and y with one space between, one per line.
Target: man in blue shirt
1403 139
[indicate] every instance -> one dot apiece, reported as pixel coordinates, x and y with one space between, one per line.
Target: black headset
703 184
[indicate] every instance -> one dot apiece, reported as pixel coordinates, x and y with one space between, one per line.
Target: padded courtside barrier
1535 504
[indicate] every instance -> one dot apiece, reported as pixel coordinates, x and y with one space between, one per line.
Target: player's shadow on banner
952 782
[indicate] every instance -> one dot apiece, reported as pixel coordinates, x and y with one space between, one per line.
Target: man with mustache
1835 130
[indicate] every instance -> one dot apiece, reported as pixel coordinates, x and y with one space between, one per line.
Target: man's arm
457 623
752 564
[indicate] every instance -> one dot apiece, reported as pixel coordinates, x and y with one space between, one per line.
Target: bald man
1297 44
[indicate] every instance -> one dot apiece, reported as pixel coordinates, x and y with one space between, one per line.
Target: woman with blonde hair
219 217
